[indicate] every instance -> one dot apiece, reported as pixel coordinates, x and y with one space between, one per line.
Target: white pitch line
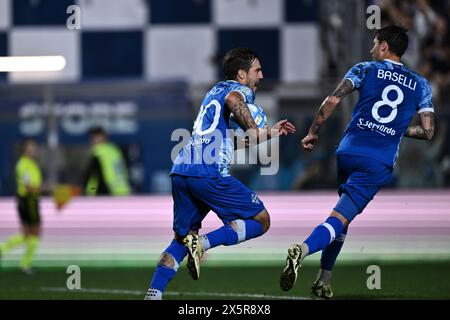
175 293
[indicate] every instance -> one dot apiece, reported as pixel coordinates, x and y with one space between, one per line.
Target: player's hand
283 128
309 141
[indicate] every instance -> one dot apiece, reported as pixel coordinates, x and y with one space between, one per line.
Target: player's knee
26 230
167 260
263 218
179 239
266 223
234 225
35 230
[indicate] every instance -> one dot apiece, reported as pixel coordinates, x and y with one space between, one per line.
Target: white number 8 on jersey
386 102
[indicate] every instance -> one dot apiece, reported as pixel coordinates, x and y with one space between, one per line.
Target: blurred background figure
29 183
107 172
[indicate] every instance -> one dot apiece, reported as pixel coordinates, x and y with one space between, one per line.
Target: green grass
410 280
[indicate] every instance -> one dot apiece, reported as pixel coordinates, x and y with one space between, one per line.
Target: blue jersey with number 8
389 96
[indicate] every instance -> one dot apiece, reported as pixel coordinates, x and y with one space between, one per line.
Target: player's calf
166 269
321 237
233 233
230 234
263 218
168 261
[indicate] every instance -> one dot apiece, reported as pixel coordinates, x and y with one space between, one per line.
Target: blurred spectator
416 168
435 51
426 164
428 51
107 172
422 162
444 154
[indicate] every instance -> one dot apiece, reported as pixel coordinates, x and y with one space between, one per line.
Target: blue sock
329 255
161 277
227 236
324 234
164 274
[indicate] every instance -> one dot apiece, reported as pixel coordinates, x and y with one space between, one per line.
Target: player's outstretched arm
325 111
423 131
240 110
281 128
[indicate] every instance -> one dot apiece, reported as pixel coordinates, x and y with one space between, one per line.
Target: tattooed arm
325 111
426 128
240 110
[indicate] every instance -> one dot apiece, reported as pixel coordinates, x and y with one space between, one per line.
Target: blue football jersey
389 96
210 150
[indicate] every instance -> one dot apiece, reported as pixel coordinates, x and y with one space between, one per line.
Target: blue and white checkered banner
160 39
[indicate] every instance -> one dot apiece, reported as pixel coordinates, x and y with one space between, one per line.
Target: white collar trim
394 62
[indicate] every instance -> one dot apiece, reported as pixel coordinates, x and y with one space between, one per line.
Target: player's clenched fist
309 141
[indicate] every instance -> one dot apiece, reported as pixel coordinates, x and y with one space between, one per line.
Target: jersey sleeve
426 100
246 92
357 74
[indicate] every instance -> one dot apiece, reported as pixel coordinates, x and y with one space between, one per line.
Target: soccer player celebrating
200 178
389 96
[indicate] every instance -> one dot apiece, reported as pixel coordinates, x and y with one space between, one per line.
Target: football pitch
403 280
117 242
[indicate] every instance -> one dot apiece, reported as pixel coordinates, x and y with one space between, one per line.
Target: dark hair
25 142
396 38
97 131
237 59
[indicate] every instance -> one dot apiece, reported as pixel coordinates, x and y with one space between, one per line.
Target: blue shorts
194 197
360 178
